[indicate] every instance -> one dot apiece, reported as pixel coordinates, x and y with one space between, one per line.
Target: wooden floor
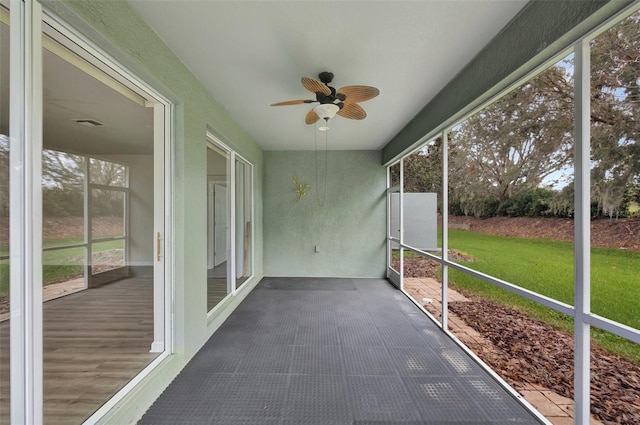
217 288
95 341
216 291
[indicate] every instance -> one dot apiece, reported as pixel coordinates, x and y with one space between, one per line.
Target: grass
546 267
59 265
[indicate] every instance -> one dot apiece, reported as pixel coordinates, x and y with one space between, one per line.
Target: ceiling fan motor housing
326 77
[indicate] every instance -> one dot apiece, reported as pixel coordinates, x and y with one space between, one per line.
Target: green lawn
546 267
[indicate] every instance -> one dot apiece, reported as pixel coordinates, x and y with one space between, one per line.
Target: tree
63 185
512 145
615 113
423 169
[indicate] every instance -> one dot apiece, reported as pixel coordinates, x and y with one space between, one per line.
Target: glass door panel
111 131
244 223
218 234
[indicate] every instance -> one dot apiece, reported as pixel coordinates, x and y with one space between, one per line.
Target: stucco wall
349 228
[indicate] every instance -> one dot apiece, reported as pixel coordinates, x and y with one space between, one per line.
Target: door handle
158 246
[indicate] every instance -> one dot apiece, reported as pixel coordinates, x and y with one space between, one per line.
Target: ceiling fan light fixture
326 111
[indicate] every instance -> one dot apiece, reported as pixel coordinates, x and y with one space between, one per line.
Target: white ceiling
250 54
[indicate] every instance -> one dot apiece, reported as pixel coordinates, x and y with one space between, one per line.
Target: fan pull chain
324 196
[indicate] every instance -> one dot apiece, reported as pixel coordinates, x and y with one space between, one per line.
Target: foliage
507 158
527 204
59 202
512 145
63 179
615 113
423 169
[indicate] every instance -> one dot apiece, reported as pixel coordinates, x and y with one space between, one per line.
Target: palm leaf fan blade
352 111
311 117
292 102
354 94
315 86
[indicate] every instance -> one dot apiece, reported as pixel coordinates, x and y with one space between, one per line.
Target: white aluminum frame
25 244
392 274
444 292
582 231
252 209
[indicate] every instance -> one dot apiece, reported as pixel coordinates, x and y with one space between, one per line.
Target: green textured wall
349 228
115 28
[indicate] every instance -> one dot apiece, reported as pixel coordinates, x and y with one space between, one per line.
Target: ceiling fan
343 101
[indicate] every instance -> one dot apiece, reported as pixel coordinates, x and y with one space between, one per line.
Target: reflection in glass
107 213
107 173
62 199
218 286
106 256
98 339
243 222
63 265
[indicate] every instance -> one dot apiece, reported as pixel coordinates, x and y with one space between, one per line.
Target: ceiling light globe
326 111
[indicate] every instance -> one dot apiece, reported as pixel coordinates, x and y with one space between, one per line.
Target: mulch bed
531 352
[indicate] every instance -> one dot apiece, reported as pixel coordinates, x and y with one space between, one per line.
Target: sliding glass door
86 208
229 221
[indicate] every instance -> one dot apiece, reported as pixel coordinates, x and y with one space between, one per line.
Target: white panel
26 212
420 213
